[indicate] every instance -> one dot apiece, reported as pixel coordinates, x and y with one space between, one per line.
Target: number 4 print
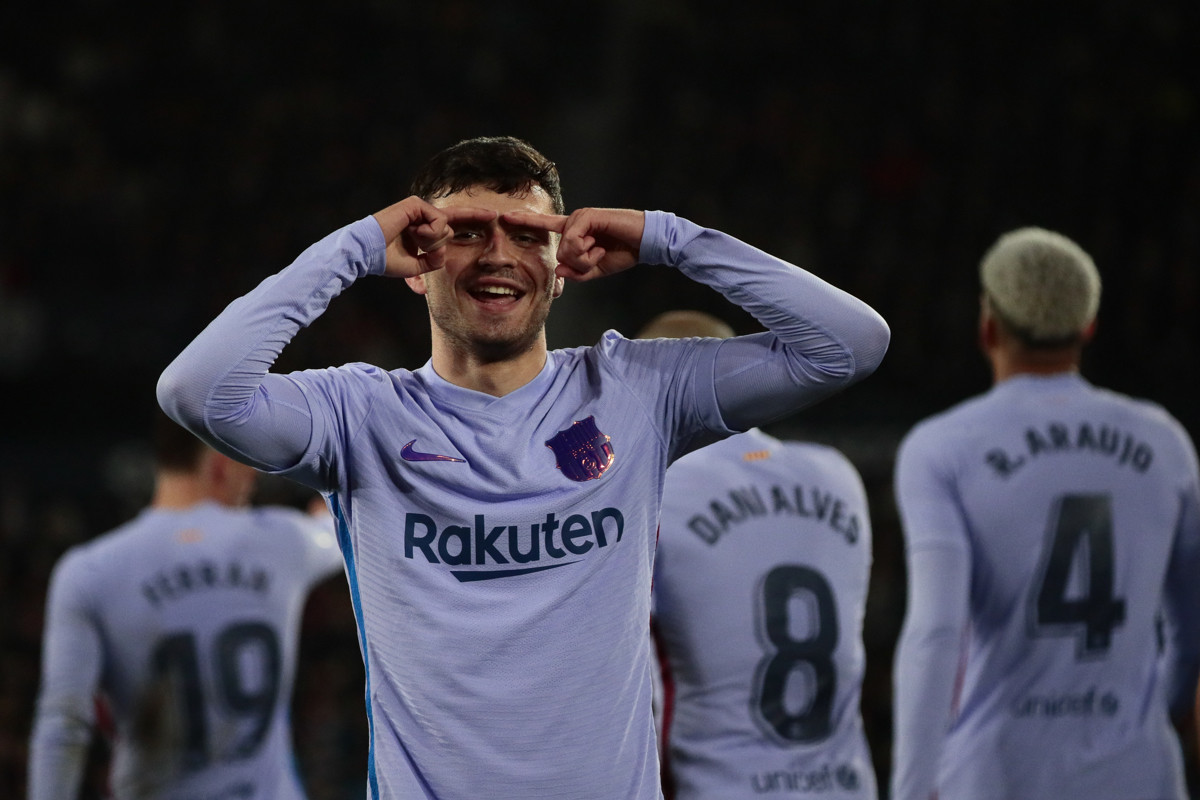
1081 536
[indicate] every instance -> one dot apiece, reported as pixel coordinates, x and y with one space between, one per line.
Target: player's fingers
459 215
580 270
433 259
581 264
432 235
553 223
575 244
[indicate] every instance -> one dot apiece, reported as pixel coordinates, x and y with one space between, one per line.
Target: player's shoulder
353 372
614 359
757 449
962 420
614 346
821 452
100 555
1150 412
1151 421
820 462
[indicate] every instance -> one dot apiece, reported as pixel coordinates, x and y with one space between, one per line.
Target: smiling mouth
495 294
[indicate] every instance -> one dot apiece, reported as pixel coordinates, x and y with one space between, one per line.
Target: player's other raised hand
595 241
417 232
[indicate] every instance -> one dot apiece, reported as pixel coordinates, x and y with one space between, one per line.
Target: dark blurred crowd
157 160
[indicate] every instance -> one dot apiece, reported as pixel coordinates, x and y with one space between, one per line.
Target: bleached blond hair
1042 285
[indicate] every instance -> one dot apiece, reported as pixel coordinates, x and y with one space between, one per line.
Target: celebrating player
497 507
1047 523
183 624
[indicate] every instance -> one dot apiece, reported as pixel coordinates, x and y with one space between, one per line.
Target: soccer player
183 624
760 585
1047 523
497 507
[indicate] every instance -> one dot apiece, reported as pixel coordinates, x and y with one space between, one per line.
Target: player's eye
529 237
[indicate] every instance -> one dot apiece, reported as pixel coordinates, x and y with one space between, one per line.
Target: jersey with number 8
1076 509
760 586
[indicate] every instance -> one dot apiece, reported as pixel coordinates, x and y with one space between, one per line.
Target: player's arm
821 338
220 386
926 660
64 716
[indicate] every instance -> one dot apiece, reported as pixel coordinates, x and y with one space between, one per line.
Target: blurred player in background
497 507
183 624
1048 522
760 585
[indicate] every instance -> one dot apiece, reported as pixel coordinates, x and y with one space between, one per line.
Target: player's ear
416 283
559 285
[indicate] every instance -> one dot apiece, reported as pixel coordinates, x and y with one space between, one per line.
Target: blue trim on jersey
343 535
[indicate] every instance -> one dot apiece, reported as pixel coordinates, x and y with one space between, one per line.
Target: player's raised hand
417 232
595 241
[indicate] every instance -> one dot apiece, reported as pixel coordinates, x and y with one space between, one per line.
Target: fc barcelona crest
583 451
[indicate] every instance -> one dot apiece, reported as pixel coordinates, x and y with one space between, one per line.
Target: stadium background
157 160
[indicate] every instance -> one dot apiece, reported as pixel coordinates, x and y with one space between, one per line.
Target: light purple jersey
1048 524
499 549
186 623
760 585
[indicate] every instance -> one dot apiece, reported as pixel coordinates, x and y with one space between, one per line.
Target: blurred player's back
183 623
760 586
1050 527
1071 497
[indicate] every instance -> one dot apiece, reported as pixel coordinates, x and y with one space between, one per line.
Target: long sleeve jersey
1049 525
499 549
185 624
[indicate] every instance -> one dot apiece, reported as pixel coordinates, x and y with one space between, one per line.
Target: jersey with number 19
1077 508
760 586
187 623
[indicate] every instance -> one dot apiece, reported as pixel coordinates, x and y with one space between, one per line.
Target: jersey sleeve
220 387
926 661
820 340
70 675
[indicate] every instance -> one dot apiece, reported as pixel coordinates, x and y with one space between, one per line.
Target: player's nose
498 249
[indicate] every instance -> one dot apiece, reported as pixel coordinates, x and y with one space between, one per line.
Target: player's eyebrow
512 227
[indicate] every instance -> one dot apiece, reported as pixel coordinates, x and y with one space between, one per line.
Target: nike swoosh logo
408 454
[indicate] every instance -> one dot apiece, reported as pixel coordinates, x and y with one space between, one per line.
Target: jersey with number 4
760 585
1078 507
187 623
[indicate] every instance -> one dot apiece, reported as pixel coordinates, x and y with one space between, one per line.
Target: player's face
493 295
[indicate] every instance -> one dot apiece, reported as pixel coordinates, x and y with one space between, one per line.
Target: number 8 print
786 654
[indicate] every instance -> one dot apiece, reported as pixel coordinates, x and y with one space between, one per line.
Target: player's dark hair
504 164
175 447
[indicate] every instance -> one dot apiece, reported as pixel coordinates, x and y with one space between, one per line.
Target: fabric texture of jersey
1062 519
760 587
187 623
499 549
